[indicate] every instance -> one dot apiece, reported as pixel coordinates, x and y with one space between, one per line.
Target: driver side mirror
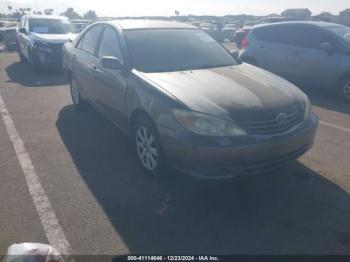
22 30
111 62
327 47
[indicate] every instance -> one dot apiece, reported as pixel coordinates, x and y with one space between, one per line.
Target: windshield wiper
207 67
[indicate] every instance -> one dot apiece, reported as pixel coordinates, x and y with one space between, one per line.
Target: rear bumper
217 158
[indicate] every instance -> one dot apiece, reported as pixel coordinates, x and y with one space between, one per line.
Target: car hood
54 38
242 93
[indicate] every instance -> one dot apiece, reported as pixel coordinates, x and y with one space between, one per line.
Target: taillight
244 43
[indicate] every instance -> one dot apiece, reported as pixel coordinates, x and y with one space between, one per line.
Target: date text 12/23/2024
172 258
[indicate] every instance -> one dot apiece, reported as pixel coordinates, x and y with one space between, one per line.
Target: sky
168 7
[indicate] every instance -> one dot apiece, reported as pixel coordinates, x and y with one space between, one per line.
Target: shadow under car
293 210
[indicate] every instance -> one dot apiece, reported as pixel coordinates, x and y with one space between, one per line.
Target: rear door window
275 34
295 35
310 37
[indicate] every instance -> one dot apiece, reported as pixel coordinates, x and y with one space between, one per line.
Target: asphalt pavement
104 204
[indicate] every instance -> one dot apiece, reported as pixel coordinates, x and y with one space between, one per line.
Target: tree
71 14
90 15
17 14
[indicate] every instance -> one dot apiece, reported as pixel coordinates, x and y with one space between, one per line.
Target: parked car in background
214 29
241 33
7 24
8 34
41 38
278 19
315 54
79 24
185 102
228 32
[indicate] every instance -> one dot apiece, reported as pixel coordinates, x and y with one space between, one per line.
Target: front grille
273 127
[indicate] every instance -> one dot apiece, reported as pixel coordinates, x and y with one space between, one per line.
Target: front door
84 62
111 86
310 65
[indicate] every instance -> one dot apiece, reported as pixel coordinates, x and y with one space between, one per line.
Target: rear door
84 62
111 84
273 48
310 65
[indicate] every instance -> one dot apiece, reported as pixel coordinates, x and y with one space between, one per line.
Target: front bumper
51 56
228 157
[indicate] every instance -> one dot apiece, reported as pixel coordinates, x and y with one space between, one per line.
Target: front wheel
34 63
78 102
148 148
344 89
22 58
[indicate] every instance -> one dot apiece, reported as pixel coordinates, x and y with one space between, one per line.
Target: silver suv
41 38
309 53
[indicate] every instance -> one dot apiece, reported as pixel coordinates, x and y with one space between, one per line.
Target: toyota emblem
281 118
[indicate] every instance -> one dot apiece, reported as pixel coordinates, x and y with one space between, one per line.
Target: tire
148 148
344 89
22 58
34 63
79 103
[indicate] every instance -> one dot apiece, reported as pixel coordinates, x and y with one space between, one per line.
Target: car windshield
162 50
51 26
342 31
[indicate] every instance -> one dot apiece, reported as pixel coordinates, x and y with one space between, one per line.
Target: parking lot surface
104 204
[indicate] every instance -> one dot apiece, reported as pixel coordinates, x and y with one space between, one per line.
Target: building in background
344 17
326 17
301 13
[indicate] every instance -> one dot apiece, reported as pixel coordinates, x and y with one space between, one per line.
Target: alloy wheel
146 148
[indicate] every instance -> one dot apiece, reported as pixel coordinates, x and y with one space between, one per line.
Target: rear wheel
148 148
344 88
78 102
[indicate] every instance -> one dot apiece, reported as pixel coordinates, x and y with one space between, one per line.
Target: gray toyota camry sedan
185 102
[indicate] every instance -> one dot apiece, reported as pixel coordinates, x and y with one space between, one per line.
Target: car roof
319 24
51 17
129 24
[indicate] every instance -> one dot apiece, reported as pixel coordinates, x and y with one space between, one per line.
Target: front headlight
307 107
207 125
